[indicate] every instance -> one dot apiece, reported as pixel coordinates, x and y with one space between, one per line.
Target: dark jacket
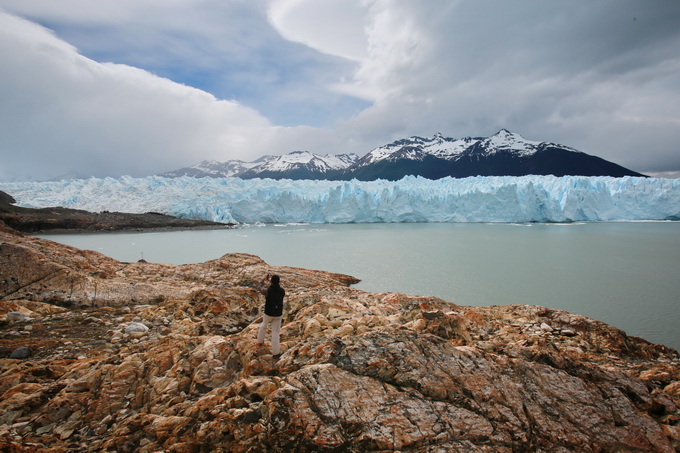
273 305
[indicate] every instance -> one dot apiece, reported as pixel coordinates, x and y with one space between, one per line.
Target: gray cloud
602 77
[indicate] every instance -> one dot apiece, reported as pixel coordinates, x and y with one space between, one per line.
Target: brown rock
359 372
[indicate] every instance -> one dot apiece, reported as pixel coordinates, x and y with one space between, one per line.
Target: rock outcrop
145 357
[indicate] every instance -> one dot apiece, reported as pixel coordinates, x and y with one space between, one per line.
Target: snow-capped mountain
215 169
502 154
301 165
294 165
416 148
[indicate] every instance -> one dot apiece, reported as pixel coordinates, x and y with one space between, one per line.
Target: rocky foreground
144 357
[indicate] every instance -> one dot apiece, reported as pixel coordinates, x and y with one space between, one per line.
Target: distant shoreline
65 231
59 220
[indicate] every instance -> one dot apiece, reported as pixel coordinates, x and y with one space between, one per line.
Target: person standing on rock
273 311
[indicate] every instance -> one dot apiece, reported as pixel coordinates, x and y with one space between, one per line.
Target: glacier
411 199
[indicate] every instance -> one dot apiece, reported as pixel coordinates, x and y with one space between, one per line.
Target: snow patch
298 159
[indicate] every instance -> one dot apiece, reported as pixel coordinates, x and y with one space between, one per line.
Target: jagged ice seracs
411 199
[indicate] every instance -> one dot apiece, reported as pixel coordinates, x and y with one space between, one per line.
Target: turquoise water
625 274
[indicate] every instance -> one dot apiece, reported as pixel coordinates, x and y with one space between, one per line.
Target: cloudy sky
138 87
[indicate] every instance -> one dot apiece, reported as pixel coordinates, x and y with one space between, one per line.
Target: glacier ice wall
412 199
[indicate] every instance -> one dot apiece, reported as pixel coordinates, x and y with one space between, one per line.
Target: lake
623 273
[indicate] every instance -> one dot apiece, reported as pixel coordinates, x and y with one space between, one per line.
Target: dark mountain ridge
502 154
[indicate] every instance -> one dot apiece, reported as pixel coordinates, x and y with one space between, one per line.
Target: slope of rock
359 371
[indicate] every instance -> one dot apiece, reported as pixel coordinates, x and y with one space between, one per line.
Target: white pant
276 326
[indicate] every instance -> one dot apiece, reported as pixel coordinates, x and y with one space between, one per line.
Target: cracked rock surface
146 357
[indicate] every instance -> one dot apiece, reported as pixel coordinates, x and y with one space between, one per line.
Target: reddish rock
359 371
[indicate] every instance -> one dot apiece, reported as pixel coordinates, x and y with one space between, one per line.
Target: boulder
21 353
17 316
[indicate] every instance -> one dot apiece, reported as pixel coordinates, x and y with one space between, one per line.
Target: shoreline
60 220
163 229
430 272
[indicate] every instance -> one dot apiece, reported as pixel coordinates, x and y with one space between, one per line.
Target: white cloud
64 110
336 27
378 34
